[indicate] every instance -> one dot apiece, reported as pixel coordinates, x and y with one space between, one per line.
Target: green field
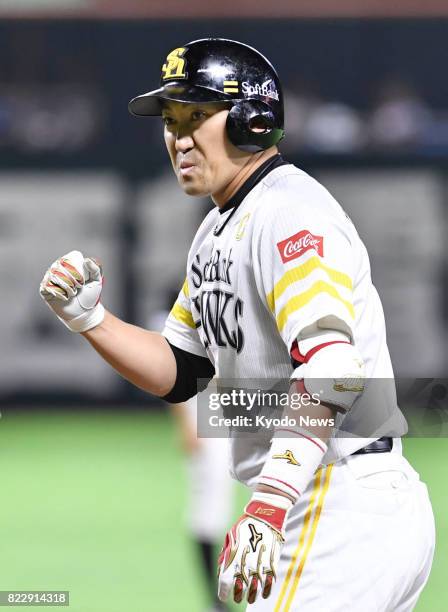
94 504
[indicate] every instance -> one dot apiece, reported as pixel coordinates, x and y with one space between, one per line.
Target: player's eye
198 115
167 120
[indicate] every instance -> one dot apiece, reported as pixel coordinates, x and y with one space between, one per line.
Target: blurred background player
210 492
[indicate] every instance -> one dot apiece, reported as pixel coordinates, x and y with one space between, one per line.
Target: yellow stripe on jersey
302 299
299 570
182 315
302 536
185 289
301 272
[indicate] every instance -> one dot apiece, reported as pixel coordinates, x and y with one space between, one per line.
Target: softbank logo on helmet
266 89
174 67
222 70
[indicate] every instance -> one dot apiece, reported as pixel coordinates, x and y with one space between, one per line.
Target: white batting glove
72 288
249 558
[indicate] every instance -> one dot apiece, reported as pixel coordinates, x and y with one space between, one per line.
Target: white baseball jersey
288 257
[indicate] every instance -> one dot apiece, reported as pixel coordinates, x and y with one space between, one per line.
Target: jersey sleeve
180 328
304 268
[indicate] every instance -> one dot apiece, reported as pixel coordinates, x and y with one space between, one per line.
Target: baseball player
278 287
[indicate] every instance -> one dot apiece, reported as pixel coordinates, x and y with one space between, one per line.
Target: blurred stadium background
93 486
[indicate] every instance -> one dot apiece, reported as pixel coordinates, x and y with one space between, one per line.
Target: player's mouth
186 168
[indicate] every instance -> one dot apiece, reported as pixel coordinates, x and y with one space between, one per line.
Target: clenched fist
72 288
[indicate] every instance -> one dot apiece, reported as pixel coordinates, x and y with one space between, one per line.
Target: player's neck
221 197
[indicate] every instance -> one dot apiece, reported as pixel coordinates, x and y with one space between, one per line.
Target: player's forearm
141 356
298 449
317 419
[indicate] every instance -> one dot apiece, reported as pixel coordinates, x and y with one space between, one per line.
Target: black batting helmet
221 70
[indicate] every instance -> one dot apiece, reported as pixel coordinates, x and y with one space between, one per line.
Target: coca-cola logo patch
295 246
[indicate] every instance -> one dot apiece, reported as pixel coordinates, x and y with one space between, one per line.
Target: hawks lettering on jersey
219 310
215 311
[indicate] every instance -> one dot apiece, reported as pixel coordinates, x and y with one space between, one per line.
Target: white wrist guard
293 458
86 321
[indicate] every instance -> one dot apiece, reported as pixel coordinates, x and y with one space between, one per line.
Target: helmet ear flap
251 126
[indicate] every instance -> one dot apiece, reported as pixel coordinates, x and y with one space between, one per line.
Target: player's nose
184 142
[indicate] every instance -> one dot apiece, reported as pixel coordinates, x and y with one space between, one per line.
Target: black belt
382 445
